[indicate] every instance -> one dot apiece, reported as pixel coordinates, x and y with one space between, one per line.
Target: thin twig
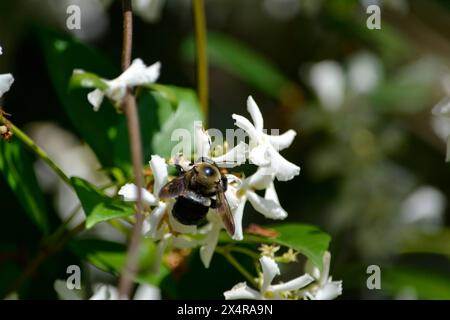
129 106
26 140
232 260
202 56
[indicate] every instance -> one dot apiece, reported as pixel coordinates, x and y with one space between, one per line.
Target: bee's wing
223 209
173 188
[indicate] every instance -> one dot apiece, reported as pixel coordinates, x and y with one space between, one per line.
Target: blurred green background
372 156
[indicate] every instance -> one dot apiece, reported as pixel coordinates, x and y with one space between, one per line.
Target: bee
196 190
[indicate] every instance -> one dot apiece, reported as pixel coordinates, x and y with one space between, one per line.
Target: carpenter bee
196 190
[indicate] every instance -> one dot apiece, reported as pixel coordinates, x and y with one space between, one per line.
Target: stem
232 260
245 251
129 105
202 57
46 252
26 140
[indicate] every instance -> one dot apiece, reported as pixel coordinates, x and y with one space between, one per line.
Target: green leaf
17 168
241 61
63 54
110 257
162 110
187 111
97 206
307 239
424 283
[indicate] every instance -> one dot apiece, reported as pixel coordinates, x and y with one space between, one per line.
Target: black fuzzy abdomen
188 211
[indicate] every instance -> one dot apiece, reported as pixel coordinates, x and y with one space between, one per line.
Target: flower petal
232 198
139 74
182 242
179 160
237 216
129 193
202 141
234 157
284 170
255 113
159 169
270 271
294 284
6 80
268 208
95 98
154 219
261 179
258 155
105 292
271 193
282 141
329 291
64 293
242 291
147 292
161 248
247 126
211 239
326 259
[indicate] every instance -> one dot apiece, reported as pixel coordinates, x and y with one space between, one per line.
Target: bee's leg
179 169
224 183
213 204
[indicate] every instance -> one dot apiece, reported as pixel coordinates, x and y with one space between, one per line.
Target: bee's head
207 173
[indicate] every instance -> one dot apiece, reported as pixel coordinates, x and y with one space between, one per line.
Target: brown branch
134 136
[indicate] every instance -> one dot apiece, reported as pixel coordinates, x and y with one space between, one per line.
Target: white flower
328 81
424 208
325 288
137 74
143 292
149 10
364 72
267 290
6 80
234 157
240 191
263 147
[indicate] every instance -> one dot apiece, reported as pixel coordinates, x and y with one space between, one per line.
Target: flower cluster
313 285
262 151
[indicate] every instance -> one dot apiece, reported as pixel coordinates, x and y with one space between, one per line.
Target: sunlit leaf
98 206
307 239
